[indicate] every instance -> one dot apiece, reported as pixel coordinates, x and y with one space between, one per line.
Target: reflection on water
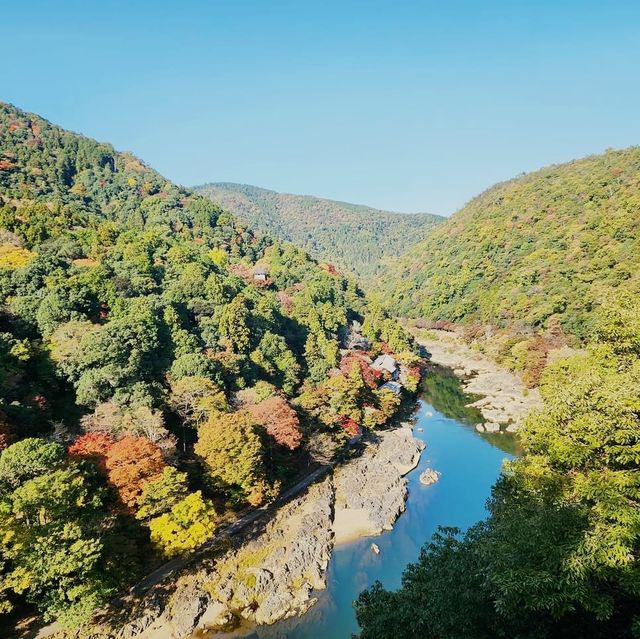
469 463
442 389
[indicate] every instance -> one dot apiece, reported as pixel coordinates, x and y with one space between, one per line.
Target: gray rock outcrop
370 492
505 400
429 476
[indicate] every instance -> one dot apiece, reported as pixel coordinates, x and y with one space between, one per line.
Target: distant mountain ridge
354 237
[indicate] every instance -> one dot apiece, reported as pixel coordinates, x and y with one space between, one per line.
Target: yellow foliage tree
186 526
218 256
13 257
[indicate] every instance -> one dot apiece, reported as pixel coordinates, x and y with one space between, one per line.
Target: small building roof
259 269
386 363
394 387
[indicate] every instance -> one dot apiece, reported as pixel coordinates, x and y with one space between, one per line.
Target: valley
288 565
203 417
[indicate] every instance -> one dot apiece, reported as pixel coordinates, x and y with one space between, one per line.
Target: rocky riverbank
267 578
273 569
505 401
370 492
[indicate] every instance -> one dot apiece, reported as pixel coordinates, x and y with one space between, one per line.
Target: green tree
277 361
51 544
192 398
29 458
234 324
232 452
161 494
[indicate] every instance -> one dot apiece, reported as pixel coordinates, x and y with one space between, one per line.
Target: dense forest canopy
160 364
543 248
545 258
355 238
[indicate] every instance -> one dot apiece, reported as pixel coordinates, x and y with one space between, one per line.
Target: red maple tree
279 420
130 464
92 446
350 425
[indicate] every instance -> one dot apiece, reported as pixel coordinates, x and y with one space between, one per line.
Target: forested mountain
548 255
355 238
160 365
541 249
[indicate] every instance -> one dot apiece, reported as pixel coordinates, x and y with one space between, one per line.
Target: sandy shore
370 492
351 524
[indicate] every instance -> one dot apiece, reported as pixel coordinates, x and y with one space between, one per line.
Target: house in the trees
353 340
260 273
386 363
394 387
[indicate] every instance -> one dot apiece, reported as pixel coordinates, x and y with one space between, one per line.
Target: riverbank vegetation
528 262
558 554
161 367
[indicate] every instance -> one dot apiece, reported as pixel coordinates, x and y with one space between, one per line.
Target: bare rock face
273 576
187 611
269 577
429 476
371 490
400 448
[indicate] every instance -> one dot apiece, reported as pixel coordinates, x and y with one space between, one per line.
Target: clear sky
410 106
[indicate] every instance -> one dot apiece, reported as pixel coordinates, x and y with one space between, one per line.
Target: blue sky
410 106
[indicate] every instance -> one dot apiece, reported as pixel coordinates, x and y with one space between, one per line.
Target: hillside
550 244
160 368
354 238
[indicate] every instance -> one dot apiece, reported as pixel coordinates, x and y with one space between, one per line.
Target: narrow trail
167 569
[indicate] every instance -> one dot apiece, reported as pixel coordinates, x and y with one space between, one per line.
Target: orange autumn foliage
130 464
92 446
279 420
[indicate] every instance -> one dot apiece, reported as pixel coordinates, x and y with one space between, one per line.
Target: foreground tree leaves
49 534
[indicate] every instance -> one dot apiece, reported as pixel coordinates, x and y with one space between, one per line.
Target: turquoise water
469 465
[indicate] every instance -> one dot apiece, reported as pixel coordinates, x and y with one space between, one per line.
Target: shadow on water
469 461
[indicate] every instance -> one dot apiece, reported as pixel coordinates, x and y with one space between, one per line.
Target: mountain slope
160 366
355 238
550 243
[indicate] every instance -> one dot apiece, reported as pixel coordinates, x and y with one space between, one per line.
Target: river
469 462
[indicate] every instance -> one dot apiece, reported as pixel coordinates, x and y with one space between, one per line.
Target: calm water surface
469 463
